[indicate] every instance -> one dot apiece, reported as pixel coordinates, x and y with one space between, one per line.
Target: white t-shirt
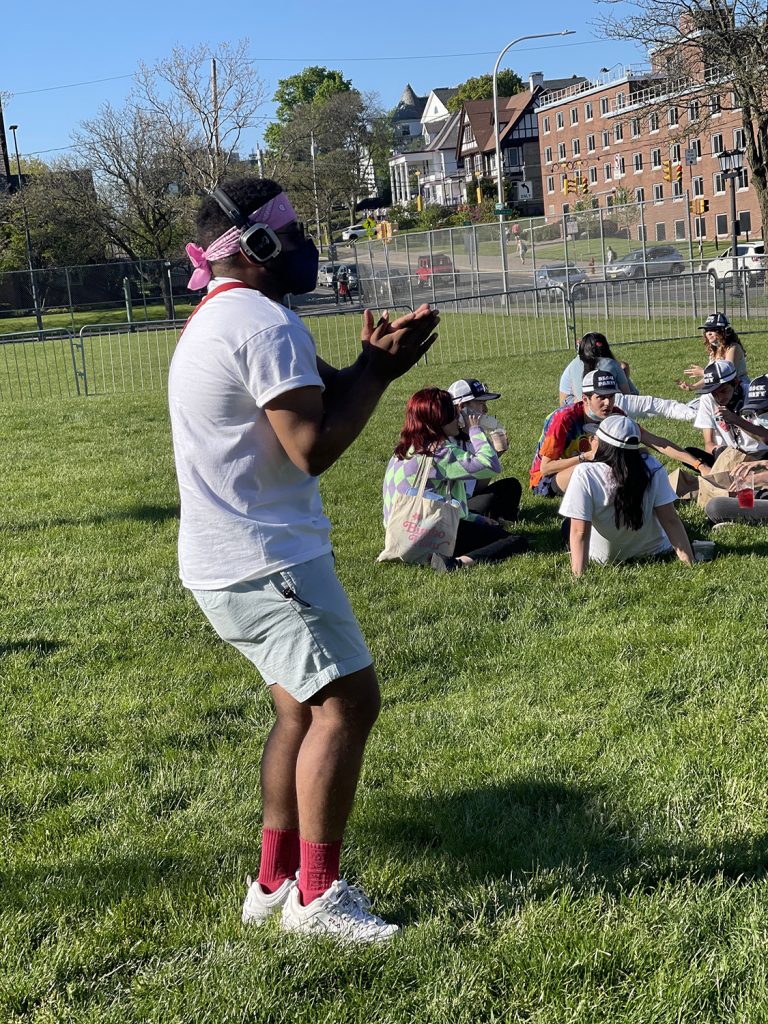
733 437
246 510
590 497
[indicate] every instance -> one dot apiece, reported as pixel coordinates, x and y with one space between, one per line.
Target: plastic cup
746 497
499 440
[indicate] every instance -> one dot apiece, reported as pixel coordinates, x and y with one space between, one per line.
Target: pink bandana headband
275 214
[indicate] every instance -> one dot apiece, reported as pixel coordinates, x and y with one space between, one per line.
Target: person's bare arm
315 429
672 525
673 451
760 433
581 531
709 440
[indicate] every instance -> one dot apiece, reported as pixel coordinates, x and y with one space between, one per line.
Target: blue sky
52 45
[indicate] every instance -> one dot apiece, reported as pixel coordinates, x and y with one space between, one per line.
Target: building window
635 127
637 161
604 105
698 186
743 180
574 115
548 155
639 195
566 207
550 184
696 147
655 159
700 227
653 122
546 125
721 224
661 231
607 172
576 146
738 138
588 115
717 143
618 166
590 143
715 106
735 101
677 190
693 110
718 183
620 100
592 175
658 193
745 222
561 150
606 140
618 132
672 118
679 230
560 121
674 153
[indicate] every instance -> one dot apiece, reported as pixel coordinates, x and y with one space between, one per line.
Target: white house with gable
426 160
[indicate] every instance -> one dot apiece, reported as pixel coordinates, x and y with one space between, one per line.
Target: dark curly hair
248 193
592 347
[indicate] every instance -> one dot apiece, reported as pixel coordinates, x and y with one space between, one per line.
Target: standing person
256 417
342 278
619 504
335 284
720 342
610 255
431 430
499 499
522 248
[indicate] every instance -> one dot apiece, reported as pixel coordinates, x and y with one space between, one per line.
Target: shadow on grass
556 834
140 513
35 646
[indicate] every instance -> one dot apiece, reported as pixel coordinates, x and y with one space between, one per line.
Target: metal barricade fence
37 365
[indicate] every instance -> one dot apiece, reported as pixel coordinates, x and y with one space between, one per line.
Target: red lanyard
227 286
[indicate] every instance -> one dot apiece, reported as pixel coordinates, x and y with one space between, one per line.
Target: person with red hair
432 429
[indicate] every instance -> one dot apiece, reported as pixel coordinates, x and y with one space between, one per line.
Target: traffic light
667 166
566 186
699 206
678 172
703 206
573 186
584 187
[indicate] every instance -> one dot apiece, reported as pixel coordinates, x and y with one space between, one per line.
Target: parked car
381 285
326 272
353 232
656 261
437 268
555 278
751 264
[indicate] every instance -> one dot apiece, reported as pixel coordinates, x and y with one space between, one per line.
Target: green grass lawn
564 803
80 318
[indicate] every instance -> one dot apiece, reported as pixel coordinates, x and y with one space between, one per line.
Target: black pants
708 458
498 500
485 543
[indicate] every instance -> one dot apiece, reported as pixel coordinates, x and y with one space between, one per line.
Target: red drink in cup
746 497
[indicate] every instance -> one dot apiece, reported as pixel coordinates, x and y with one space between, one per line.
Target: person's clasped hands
392 347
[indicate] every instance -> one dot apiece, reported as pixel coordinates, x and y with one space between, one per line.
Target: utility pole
215 101
28 237
313 152
4 146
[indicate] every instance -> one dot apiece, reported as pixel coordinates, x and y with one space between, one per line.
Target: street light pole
731 164
28 237
313 151
497 138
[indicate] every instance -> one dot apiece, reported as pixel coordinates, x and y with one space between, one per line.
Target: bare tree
699 49
202 100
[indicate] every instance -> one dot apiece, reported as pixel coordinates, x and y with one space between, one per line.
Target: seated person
748 491
594 353
565 437
499 499
431 429
619 503
723 398
720 342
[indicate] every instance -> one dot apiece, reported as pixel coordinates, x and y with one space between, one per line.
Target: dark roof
410 106
479 113
554 84
444 94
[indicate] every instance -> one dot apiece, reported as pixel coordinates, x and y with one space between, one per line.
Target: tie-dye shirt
563 437
451 467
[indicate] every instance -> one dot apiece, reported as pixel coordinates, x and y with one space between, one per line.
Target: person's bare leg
329 761
278 761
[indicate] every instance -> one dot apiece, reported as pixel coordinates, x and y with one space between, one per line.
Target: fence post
602 264
432 265
408 264
81 373
69 296
645 263
453 264
694 279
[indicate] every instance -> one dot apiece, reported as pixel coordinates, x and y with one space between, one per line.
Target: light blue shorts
296 626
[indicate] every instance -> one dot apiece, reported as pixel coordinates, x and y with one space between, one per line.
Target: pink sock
319 868
279 857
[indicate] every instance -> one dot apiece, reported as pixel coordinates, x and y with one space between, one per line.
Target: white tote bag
421 522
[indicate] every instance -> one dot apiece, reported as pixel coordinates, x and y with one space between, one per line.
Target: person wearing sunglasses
256 417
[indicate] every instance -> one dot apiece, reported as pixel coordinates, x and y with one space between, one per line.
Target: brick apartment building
617 131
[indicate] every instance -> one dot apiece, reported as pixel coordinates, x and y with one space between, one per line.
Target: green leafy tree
481 88
313 84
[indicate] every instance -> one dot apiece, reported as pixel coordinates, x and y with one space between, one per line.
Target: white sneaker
260 905
343 912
